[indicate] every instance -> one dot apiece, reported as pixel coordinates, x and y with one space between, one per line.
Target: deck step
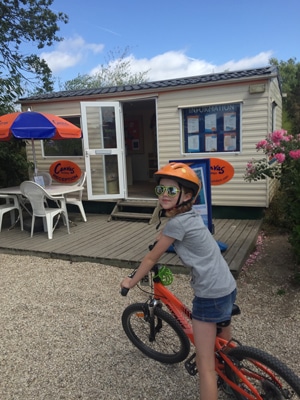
129 215
137 203
144 210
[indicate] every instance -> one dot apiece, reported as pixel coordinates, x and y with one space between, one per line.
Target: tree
21 22
282 156
290 78
293 102
13 163
116 72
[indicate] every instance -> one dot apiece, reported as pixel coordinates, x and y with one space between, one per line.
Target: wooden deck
122 243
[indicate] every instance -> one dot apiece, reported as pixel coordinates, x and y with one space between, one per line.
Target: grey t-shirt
197 249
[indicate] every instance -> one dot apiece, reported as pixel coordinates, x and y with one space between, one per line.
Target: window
211 128
65 147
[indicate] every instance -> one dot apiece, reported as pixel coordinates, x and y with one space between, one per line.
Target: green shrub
13 163
282 162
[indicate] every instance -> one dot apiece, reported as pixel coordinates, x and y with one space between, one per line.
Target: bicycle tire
171 345
244 358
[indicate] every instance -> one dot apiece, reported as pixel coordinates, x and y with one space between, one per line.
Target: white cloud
176 64
58 60
69 53
76 52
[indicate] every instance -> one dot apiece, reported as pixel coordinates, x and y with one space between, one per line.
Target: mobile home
129 131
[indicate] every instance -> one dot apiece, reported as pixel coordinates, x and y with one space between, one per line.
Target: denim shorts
213 310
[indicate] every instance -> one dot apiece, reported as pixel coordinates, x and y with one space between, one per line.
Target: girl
212 282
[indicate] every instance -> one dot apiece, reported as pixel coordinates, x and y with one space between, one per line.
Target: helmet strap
179 197
161 214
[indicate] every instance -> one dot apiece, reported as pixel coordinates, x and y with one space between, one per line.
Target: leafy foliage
280 150
13 163
290 77
21 22
282 161
116 72
286 153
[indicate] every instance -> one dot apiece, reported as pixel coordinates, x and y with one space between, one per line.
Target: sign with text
203 201
212 128
65 171
221 171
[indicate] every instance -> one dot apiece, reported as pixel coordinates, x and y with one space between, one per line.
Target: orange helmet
181 173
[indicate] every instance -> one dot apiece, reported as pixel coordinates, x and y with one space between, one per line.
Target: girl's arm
151 258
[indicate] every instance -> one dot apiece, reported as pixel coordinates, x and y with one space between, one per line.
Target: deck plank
123 243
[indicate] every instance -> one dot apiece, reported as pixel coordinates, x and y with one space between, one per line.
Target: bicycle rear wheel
170 346
272 379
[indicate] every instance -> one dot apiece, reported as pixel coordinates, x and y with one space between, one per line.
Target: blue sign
203 201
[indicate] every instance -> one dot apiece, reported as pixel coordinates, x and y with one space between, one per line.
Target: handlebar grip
124 291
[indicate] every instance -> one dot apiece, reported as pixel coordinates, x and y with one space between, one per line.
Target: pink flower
280 157
262 144
295 154
278 135
250 168
287 138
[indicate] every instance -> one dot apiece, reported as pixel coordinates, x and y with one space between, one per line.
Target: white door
103 149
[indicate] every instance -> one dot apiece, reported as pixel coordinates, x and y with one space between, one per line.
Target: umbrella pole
34 157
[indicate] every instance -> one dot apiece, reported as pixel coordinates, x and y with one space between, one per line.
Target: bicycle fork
154 329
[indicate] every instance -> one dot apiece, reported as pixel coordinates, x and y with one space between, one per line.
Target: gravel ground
61 336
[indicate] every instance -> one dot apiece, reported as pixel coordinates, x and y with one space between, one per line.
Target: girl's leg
205 335
226 333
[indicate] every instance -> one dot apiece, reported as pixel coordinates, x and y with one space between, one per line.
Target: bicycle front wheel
272 379
170 345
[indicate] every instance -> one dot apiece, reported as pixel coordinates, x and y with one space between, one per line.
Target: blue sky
175 38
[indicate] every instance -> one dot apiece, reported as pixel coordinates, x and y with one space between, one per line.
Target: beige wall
255 124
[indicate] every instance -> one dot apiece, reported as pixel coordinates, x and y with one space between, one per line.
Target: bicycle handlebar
125 290
150 247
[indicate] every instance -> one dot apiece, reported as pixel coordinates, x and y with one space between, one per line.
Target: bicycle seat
235 311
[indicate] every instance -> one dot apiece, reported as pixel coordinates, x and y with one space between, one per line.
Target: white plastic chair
43 179
36 194
75 198
11 204
46 177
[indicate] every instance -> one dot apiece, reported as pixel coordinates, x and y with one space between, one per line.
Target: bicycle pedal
190 365
224 387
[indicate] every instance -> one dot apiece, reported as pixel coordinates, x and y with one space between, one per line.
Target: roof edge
268 71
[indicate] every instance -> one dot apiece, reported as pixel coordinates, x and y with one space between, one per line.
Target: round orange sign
221 171
65 171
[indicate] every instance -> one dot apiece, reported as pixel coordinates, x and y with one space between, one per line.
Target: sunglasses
170 190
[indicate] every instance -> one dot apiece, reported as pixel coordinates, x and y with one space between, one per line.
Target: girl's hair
184 207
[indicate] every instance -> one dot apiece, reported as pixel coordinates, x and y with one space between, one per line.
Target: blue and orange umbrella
31 125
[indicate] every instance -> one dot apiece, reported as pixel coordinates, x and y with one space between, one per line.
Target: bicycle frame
181 313
184 315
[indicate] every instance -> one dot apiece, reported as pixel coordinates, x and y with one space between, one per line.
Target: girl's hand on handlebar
126 284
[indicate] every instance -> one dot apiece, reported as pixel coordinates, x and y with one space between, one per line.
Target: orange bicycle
166 336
